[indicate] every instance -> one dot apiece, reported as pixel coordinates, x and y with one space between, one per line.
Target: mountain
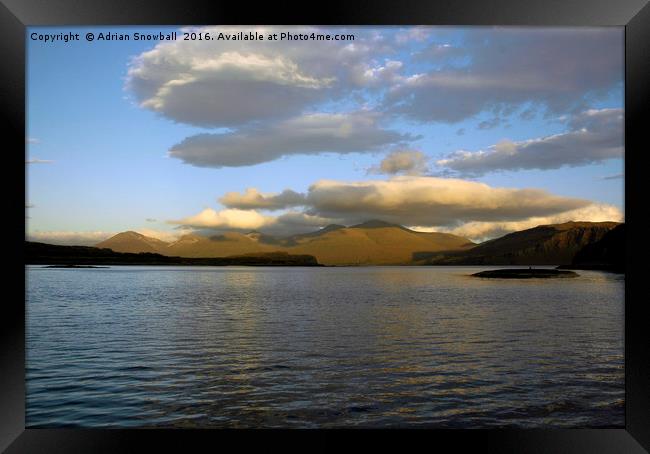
606 254
372 243
375 244
377 224
380 243
190 245
229 243
554 244
295 239
132 242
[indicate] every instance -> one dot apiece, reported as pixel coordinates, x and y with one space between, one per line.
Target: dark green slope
607 254
554 244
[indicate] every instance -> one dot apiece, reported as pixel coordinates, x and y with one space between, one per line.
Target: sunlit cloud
409 162
250 220
481 231
440 204
228 219
410 200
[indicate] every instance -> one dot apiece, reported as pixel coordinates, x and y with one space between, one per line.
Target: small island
523 273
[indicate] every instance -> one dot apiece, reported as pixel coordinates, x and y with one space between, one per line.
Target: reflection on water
326 347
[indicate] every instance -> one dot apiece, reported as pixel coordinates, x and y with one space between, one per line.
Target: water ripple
331 347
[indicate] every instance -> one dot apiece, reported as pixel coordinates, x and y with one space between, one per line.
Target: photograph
325 227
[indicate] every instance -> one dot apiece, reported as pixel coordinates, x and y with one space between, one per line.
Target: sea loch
321 347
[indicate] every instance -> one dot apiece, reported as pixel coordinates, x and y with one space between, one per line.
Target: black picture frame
16 15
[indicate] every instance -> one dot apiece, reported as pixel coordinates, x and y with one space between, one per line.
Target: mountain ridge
549 244
373 242
376 242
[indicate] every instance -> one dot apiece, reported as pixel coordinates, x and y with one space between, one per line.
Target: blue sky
149 136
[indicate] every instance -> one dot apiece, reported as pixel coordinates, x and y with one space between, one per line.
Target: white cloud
306 134
226 219
417 34
556 69
232 83
38 161
597 135
246 220
269 93
438 51
367 75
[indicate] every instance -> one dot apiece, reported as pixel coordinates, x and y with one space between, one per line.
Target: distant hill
380 243
190 245
370 243
606 254
132 242
295 239
376 243
554 244
50 254
229 243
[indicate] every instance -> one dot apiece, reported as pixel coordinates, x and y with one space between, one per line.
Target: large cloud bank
464 207
284 98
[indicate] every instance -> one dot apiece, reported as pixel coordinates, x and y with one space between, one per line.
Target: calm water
322 347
